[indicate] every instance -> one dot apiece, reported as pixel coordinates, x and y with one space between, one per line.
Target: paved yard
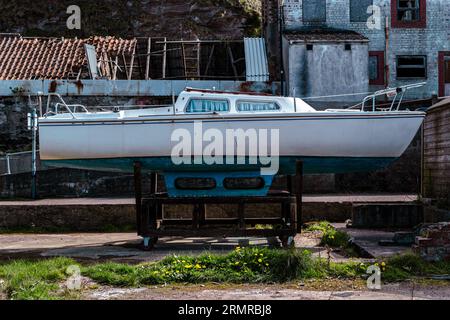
403 291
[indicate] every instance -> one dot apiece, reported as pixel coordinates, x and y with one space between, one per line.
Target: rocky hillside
174 19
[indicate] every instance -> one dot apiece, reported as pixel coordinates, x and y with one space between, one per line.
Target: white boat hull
315 135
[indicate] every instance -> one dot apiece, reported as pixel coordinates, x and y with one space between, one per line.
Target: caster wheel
287 242
148 243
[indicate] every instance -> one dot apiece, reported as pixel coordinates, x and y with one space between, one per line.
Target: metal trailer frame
151 224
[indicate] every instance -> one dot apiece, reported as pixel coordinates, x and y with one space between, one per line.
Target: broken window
411 66
447 69
408 10
373 68
409 13
314 10
358 10
376 67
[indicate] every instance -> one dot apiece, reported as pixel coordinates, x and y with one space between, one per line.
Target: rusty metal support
153 183
138 195
241 215
299 194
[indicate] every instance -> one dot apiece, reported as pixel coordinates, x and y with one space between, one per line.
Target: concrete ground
402 291
124 247
368 241
328 198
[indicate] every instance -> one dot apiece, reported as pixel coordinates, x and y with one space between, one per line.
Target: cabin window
314 10
244 183
195 183
204 105
257 106
411 67
359 10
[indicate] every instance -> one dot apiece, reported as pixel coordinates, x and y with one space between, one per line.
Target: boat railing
397 94
73 109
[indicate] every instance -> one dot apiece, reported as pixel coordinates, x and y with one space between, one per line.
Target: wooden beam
210 59
230 53
164 59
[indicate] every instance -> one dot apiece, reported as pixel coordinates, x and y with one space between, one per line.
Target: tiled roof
324 35
49 58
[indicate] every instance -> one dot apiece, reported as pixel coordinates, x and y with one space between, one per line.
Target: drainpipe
281 27
386 53
34 120
8 165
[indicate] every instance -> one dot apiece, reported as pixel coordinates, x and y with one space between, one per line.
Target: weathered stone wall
58 183
106 217
14 135
410 41
329 69
434 242
174 19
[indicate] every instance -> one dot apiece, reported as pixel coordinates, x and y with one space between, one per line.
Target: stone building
408 42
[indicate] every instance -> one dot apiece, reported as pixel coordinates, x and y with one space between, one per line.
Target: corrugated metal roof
50 58
257 67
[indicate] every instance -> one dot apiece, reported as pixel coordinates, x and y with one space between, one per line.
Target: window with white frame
257 106
205 105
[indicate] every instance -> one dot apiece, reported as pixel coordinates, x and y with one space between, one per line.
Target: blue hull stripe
286 165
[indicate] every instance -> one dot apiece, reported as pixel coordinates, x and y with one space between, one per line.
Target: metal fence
19 162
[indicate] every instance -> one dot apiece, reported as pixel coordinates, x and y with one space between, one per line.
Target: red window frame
421 23
441 65
380 81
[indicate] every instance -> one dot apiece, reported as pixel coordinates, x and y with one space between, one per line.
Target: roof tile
49 58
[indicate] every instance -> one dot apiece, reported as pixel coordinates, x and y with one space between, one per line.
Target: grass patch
42 279
409 265
330 236
39 280
248 265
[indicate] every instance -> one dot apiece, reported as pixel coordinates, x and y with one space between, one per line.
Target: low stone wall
60 183
433 214
73 218
434 242
101 217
